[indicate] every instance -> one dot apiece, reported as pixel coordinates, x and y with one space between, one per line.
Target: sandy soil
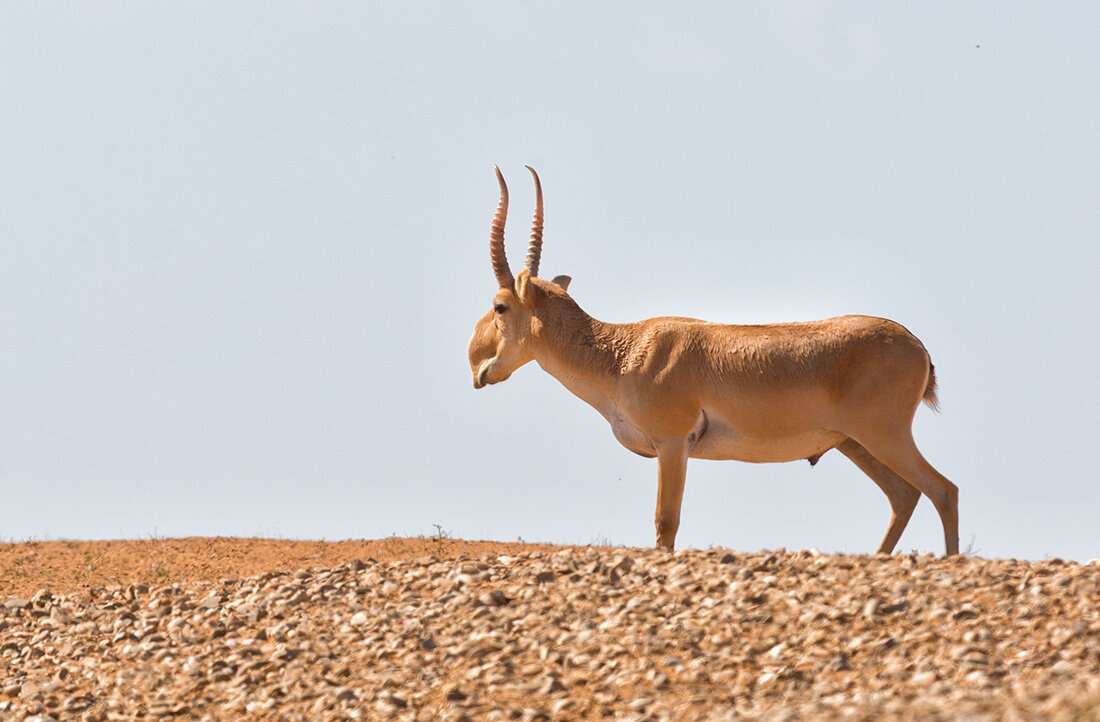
68 566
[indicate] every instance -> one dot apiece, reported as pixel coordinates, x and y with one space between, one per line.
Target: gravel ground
581 633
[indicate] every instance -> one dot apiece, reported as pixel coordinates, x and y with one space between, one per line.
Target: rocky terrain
449 630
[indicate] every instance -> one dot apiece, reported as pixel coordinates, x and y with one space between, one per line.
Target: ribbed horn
496 238
534 248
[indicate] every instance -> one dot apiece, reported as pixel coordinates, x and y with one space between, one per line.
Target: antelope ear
523 288
562 281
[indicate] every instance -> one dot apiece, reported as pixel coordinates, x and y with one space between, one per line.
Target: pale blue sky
243 245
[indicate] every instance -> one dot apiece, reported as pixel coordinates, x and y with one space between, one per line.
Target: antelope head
501 341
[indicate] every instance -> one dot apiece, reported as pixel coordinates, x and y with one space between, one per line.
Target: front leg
671 470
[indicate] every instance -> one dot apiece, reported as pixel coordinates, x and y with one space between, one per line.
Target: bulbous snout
482 349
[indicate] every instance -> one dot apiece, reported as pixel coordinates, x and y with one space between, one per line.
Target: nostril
482 372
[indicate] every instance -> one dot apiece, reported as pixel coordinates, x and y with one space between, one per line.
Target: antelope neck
583 353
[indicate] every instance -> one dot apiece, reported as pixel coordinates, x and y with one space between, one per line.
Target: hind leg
899 452
903 496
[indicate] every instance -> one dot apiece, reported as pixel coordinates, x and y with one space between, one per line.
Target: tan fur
679 388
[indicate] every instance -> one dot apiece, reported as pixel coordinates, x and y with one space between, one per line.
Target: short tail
930 396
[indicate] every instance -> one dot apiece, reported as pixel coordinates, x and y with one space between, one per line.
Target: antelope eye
500 308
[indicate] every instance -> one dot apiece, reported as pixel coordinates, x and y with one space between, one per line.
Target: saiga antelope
680 388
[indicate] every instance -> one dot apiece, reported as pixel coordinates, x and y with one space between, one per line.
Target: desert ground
445 629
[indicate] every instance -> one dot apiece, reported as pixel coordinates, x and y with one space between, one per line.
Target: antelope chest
628 433
635 436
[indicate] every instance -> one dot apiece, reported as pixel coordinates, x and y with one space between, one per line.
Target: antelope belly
724 442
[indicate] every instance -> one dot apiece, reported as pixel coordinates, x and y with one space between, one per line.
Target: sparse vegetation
440 535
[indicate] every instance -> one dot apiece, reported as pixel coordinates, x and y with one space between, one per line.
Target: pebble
1064 667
